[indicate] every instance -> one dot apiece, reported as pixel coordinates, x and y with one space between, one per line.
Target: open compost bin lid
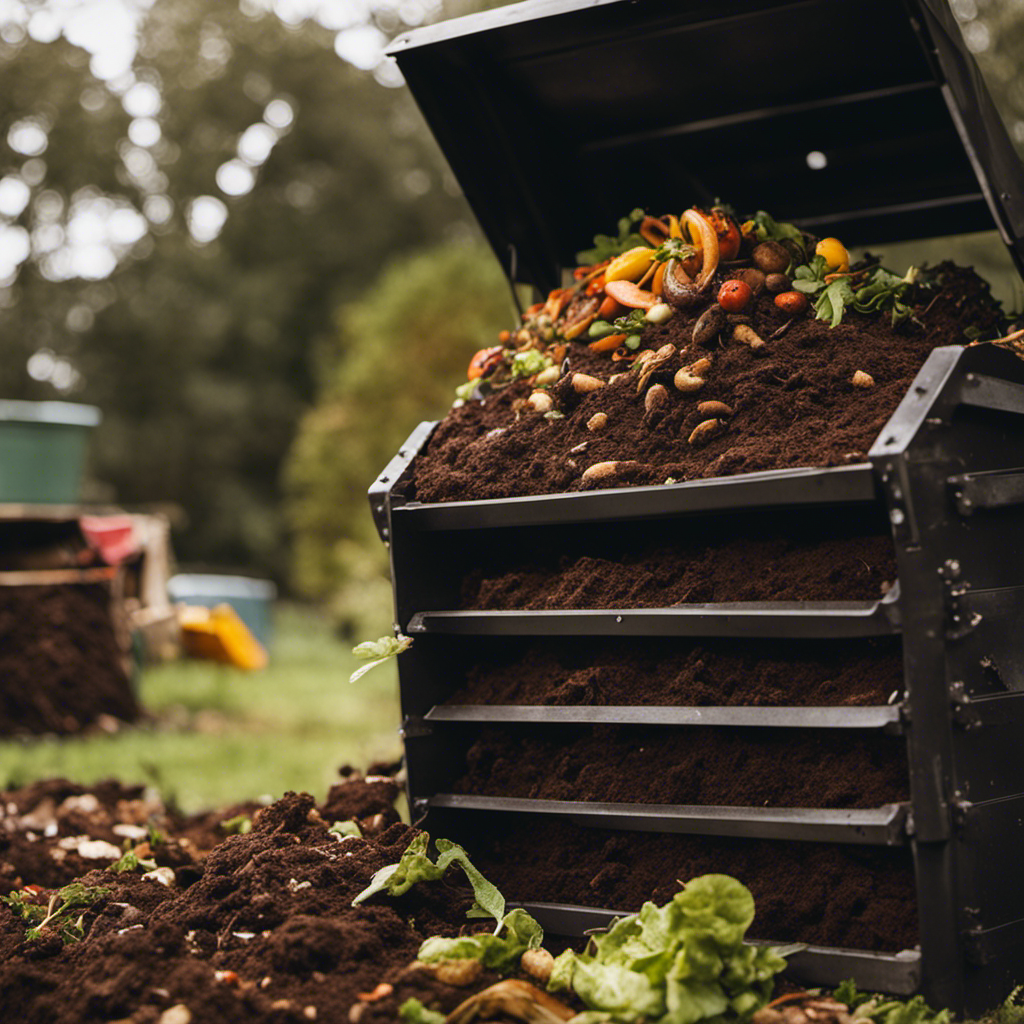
558 116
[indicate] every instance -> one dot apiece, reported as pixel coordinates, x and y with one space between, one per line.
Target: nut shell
582 383
706 431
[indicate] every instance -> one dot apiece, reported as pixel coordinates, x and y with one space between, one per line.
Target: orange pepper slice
613 341
630 295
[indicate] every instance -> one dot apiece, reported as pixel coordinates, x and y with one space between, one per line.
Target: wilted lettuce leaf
680 963
499 952
416 866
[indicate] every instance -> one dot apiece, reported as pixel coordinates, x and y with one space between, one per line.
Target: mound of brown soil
777 569
61 665
251 928
793 403
684 673
734 767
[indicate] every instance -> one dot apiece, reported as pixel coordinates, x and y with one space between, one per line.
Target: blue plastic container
252 599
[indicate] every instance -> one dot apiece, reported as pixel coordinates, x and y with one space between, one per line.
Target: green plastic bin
43 449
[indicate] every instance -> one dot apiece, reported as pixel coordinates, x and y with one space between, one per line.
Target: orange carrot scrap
613 341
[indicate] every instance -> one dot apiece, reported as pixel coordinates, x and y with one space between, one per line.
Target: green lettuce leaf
499 952
416 866
680 963
412 1011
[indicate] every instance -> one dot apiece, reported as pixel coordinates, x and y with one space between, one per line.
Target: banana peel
218 634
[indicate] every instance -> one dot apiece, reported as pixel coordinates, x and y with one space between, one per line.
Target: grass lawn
216 735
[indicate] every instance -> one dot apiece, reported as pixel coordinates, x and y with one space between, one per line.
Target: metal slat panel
770 489
874 717
788 619
879 826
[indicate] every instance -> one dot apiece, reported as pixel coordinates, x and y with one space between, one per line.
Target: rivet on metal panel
897 516
964 712
384 479
618 618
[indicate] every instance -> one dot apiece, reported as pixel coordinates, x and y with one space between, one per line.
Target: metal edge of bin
896 973
876 826
785 619
885 716
769 489
381 492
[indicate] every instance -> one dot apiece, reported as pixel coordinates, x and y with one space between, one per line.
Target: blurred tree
276 180
401 349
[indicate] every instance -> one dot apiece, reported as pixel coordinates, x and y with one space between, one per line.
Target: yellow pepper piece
675 231
630 266
836 256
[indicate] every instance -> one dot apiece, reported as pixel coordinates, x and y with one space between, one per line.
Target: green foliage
516 933
239 825
526 364
677 964
881 291
130 861
202 356
59 913
416 866
376 652
606 246
412 1011
341 829
401 347
768 229
886 1010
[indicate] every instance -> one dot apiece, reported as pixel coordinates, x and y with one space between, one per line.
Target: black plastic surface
558 116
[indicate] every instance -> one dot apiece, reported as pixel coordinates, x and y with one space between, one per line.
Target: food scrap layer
743 367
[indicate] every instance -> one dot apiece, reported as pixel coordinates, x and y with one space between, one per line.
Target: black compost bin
913 148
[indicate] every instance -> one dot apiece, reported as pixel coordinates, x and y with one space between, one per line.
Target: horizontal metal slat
787 619
776 488
896 973
985 392
997 488
878 826
873 717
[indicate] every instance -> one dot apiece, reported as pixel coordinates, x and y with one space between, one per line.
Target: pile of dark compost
61 664
668 671
847 896
793 402
743 569
255 927
699 765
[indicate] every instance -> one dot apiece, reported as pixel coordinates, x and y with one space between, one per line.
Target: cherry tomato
734 296
485 361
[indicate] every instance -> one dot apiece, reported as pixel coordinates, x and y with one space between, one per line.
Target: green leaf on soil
680 963
497 952
239 825
416 866
346 828
58 914
412 1011
607 246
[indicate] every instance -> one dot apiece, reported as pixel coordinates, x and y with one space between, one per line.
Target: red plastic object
112 536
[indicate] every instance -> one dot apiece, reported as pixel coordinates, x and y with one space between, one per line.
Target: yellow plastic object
218 634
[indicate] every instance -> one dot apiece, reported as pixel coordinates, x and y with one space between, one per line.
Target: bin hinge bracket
959 810
964 712
413 727
901 510
976 948
960 620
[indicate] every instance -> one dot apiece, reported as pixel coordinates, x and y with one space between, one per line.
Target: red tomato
734 296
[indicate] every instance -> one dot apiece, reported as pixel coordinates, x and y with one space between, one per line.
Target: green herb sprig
378 651
885 1010
59 912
